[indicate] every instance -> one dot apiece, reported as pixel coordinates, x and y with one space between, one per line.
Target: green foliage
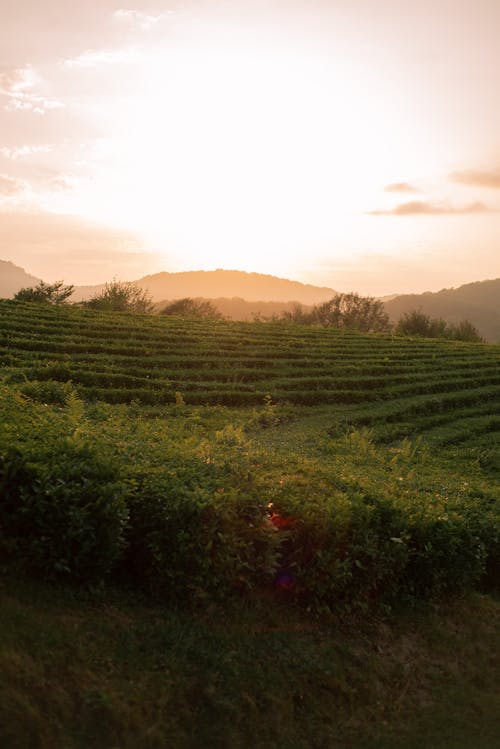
121 296
345 507
419 324
197 308
352 312
64 515
48 391
45 293
349 311
195 530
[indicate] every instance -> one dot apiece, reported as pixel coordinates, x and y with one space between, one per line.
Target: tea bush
192 532
65 515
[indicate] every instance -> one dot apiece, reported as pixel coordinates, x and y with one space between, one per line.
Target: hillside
223 283
243 522
478 302
240 309
13 278
120 358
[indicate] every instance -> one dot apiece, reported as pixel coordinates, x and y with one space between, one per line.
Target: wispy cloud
144 21
424 208
19 86
10 187
478 178
94 58
21 152
401 187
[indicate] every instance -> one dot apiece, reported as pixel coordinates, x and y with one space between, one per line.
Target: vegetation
187 307
48 293
96 671
121 296
418 323
478 302
344 311
306 475
203 506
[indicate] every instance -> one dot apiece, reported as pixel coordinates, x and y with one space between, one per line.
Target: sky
346 143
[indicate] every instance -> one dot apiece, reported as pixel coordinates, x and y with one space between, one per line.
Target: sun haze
351 144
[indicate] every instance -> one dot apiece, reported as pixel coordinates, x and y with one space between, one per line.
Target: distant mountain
478 302
241 309
243 295
224 283
13 278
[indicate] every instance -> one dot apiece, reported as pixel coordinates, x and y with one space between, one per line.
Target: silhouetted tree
297 314
465 331
48 293
121 296
352 311
188 307
417 323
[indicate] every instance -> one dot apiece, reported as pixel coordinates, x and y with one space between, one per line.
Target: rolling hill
243 296
13 278
223 283
478 302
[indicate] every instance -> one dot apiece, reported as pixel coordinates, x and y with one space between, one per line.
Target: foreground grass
101 671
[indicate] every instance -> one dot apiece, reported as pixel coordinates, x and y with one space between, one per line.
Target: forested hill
225 283
13 278
478 302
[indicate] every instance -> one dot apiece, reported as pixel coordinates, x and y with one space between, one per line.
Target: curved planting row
120 358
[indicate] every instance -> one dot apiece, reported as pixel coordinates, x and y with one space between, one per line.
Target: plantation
209 463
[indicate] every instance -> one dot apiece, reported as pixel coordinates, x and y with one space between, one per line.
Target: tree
417 323
352 312
121 296
46 293
297 314
465 331
187 307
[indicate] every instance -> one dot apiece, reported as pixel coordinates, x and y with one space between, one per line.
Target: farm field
159 475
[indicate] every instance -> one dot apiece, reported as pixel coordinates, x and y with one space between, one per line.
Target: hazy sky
349 143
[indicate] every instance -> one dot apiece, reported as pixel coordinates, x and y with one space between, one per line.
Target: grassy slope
104 669
83 674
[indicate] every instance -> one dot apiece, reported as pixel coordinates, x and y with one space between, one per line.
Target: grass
105 671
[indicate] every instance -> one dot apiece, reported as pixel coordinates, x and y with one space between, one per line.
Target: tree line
345 311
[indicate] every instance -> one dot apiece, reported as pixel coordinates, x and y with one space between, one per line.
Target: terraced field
402 384
346 475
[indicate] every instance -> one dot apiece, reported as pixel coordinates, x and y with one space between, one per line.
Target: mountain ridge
244 295
254 287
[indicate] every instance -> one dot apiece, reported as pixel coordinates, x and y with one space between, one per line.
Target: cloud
21 152
400 187
18 86
144 21
478 178
424 208
93 58
10 187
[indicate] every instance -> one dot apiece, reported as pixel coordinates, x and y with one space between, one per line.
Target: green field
243 489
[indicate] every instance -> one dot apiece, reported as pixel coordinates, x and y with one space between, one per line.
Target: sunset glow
323 144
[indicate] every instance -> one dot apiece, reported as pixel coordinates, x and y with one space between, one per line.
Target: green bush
342 553
65 516
193 534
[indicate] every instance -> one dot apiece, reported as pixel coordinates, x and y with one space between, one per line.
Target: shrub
417 323
343 553
352 312
47 293
189 535
121 296
65 515
187 307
